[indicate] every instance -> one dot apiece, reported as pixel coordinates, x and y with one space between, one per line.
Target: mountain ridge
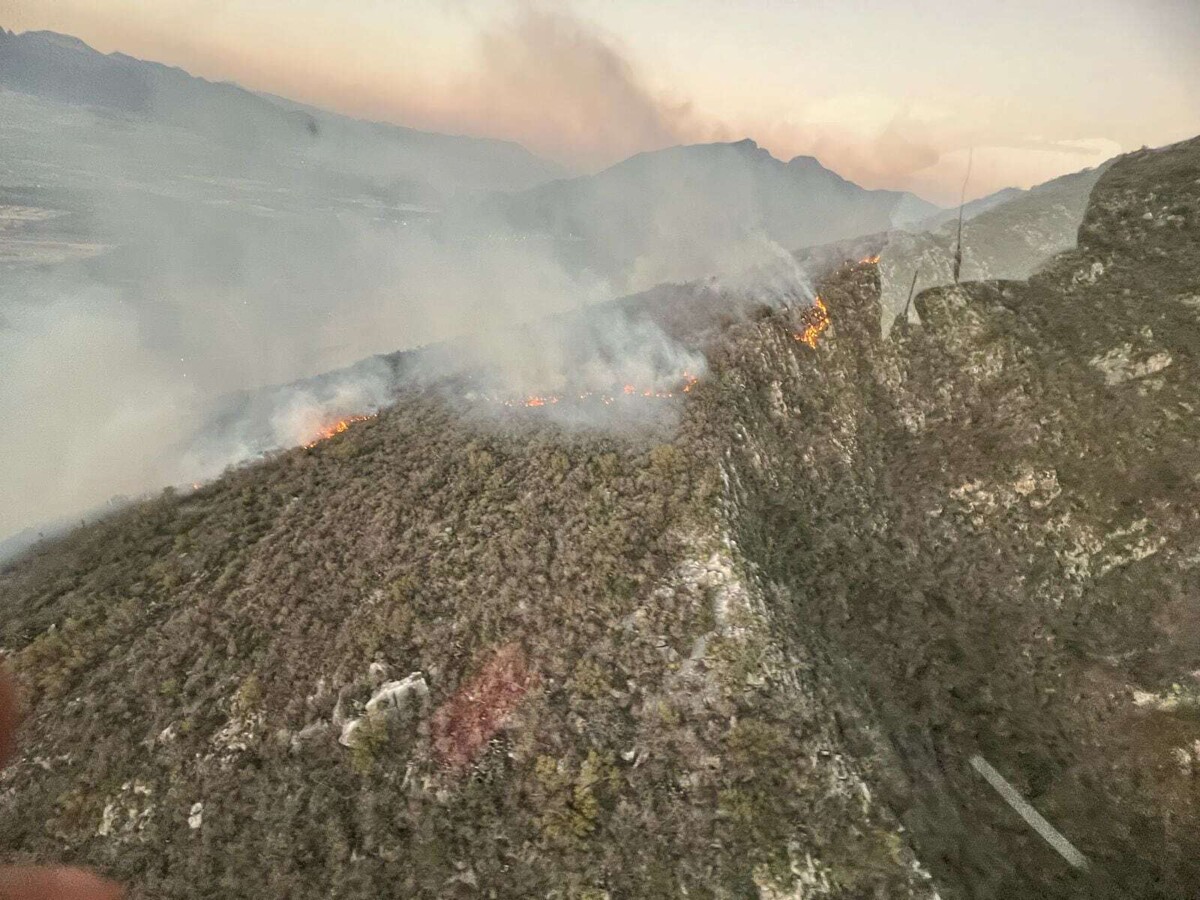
751 655
699 209
66 69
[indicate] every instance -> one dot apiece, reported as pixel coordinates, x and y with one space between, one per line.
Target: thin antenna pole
962 201
912 287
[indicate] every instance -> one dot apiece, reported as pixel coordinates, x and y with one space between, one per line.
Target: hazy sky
891 93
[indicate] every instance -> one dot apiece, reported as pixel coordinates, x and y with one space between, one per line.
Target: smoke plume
197 274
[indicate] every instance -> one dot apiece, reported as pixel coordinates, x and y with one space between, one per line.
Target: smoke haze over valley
169 242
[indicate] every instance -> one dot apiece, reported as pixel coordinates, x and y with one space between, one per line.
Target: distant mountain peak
748 146
65 41
808 162
63 69
812 165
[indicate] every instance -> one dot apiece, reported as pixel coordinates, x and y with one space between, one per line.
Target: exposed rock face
396 695
390 701
990 522
1120 364
750 658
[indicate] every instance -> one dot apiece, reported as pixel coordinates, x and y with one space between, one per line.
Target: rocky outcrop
393 699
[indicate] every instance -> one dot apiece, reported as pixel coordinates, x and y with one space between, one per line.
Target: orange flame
816 320
869 260
337 427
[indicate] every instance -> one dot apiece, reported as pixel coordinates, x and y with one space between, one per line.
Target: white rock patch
1119 365
392 698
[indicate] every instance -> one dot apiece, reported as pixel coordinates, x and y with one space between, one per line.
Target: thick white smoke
86 408
122 370
107 385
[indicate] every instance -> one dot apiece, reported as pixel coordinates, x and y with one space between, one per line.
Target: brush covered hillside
746 654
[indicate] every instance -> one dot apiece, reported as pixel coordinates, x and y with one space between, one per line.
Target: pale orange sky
890 93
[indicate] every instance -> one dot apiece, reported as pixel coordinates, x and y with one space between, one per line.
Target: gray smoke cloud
154 283
86 407
106 384
770 274
571 90
192 276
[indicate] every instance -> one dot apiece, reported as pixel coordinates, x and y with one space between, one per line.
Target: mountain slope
685 212
971 209
1008 235
729 659
64 69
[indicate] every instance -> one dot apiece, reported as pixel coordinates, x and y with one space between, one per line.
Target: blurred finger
44 883
10 715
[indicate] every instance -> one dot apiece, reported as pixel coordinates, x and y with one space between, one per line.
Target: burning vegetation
336 428
609 397
815 320
606 396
